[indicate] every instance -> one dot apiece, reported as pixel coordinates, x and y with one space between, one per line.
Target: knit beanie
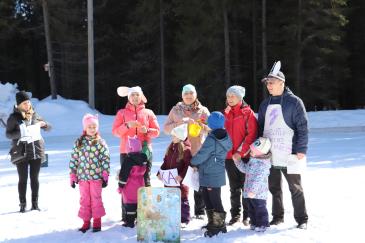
90 119
216 120
181 132
188 88
237 90
21 96
261 146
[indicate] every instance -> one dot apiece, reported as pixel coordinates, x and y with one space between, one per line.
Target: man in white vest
283 119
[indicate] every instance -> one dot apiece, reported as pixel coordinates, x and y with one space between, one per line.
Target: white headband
124 91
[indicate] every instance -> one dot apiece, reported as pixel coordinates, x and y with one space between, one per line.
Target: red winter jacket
241 125
131 113
171 161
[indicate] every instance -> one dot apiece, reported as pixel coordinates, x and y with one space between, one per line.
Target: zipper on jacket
135 111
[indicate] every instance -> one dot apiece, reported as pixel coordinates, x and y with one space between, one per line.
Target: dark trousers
257 212
212 198
185 210
22 169
236 181
199 204
297 195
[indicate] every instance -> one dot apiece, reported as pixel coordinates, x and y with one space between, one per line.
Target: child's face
175 139
91 129
252 153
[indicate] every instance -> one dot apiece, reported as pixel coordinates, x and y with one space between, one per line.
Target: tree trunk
298 58
51 72
162 47
264 51
226 47
254 55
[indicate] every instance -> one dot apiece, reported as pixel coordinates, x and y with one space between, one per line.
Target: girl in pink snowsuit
89 167
131 178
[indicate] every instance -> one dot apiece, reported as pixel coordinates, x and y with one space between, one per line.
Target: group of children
90 169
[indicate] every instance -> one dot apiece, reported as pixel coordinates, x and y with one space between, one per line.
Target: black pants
199 204
212 198
257 212
297 195
22 169
236 180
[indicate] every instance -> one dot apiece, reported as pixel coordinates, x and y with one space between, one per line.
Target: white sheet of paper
34 133
295 165
192 179
168 177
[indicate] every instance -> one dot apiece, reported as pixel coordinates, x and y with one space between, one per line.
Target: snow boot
35 206
130 219
234 219
22 207
85 227
209 213
218 224
97 224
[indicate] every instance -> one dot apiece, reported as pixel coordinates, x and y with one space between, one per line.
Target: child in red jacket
178 156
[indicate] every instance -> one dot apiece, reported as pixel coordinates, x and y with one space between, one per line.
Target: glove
73 180
105 179
121 185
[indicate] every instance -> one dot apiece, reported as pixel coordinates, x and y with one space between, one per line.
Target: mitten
73 180
105 179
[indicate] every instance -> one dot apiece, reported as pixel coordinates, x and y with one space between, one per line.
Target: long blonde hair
26 114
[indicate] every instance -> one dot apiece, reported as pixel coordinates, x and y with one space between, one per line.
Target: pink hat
134 145
90 119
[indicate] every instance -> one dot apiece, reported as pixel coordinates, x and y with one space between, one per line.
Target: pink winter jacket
134 182
131 113
178 112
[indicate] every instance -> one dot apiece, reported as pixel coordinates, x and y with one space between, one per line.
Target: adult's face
135 98
189 98
232 99
25 105
275 86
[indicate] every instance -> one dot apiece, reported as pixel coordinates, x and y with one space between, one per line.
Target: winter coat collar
181 105
131 107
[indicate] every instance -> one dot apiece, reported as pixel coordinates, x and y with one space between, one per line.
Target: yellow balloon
194 129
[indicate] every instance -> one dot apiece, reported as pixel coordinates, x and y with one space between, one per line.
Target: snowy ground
335 200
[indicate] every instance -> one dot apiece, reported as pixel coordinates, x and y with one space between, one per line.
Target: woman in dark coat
22 117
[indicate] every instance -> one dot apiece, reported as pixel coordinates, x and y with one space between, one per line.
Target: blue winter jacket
210 159
295 117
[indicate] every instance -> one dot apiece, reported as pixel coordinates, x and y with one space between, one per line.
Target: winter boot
130 219
35 206
22 207
218 224
97 225
35 203
85 227
210 218
234 219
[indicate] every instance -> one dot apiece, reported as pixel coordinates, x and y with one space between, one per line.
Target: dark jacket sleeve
301 128
261 117
12 128
124 171
38 118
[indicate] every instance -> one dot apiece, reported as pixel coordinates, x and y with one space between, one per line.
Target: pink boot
85 227
97 225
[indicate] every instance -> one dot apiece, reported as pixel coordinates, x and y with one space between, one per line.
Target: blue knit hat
216 120
188 88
